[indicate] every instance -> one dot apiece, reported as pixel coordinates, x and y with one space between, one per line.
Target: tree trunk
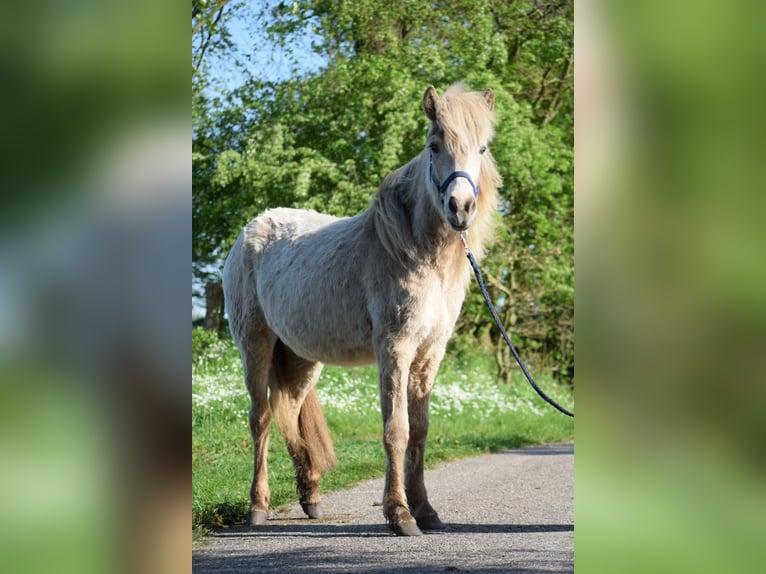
214 305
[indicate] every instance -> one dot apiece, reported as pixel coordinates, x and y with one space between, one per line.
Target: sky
263 58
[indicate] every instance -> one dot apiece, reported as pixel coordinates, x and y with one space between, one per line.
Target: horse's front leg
394 373
422 376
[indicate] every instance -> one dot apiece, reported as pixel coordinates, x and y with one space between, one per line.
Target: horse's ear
429 103
489 97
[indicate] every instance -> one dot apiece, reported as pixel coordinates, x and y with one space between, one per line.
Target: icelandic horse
386 286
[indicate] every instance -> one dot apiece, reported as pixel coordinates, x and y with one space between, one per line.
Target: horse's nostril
453 205
469 205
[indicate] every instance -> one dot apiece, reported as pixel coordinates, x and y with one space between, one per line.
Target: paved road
508 512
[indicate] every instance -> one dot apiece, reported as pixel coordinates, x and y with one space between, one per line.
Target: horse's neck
409 227
431 233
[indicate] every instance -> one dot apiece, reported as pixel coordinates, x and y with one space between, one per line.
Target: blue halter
454 175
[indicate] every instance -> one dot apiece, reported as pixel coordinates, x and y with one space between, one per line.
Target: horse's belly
343 357
319 323
326 340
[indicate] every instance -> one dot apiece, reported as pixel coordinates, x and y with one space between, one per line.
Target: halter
454 175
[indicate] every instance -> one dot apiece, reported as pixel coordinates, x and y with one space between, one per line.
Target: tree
326 138
209 37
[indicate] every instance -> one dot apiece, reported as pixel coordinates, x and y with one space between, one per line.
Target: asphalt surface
507 512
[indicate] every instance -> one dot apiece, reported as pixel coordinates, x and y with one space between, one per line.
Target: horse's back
282 223
299 272
267 230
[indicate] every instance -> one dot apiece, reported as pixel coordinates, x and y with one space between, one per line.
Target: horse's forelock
464 118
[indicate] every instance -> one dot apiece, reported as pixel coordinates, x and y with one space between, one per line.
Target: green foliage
324 139
202 340
209 351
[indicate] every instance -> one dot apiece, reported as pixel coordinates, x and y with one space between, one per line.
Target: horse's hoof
430 522
312 510
406 529
256 518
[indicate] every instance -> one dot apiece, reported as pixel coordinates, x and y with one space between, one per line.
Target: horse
385 286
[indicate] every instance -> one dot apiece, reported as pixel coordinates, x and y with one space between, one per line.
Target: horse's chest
435 307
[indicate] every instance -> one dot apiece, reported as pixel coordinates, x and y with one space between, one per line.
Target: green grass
470 414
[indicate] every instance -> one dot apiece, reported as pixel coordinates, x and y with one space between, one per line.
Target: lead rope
492 310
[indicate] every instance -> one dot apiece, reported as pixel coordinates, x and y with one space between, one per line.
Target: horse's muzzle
460 203
460 209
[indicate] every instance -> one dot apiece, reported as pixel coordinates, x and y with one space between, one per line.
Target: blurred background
95 226
670 287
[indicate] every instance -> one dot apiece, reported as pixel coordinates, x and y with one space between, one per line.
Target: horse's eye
482 149
434 147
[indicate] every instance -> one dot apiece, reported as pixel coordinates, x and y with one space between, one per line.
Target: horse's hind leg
257 360
299 417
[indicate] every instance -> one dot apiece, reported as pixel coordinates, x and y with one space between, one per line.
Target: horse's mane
464 118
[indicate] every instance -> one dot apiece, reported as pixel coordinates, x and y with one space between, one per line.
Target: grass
470 414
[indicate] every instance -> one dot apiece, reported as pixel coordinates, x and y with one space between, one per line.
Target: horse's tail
315 434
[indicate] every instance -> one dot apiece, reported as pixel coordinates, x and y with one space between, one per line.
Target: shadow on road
509 528
558 449
315 530
390 561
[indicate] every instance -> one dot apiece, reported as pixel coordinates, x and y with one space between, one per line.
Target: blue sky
263 58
